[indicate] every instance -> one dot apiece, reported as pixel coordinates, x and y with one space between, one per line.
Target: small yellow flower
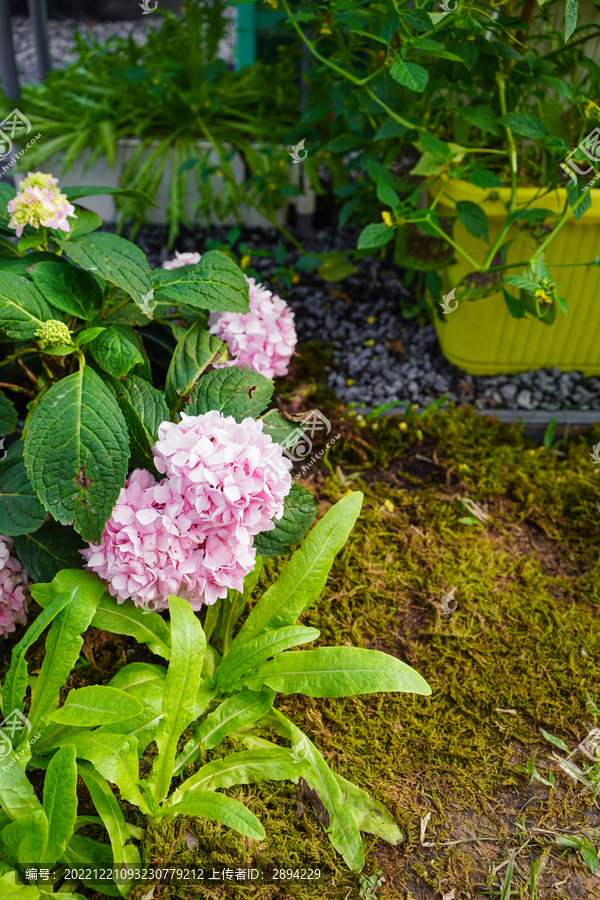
591 111
371 320
325 29
389 505
349 381
245 261
463 468
403 426
272 3
386 218
369 343
219 173
543 295
295 278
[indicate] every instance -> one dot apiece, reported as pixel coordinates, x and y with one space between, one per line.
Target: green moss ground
519 653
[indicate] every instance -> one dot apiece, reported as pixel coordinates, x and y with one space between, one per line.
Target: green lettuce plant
221 684
462 90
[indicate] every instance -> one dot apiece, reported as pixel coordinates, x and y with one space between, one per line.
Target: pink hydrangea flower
264 338
40 203
14 596
230 476
192 533
182 259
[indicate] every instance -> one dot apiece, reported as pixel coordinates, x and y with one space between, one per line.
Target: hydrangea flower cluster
40 203
263 339
14 596
181 259
192 534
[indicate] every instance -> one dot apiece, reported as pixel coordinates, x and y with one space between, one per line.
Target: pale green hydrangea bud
53 333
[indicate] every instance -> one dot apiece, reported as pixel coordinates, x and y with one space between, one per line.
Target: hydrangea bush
163 493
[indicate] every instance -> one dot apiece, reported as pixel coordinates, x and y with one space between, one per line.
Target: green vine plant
103 733
422 99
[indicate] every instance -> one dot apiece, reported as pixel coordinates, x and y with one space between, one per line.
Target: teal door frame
249 21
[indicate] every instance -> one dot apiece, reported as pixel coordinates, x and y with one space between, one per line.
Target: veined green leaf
219 808
144 409
235 391
337 672
216 283
181 687
20 510
139 678
299 510
246 656
60 803
411 75
116 260
304 576
145 682
127 618
196 350
83 591
69 289
8 416
116 351
96 704
76 452
22 308
49 549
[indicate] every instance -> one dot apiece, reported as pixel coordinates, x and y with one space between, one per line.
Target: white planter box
100 173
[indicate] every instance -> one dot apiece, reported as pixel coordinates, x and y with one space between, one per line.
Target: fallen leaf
191 840
396 345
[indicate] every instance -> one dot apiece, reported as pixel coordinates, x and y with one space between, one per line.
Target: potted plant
170 119
490 186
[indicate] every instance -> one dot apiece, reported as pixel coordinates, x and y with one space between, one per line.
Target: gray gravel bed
368 335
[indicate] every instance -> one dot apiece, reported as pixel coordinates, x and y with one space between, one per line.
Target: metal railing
38 15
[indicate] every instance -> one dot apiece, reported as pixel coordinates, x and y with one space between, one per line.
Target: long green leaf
96 704
235 712
219 808
246 767
15 684
108 809
370 815
304 576
181 687
114 756
86 854
246 656
337 672
83 591
343 830
60 803
17 797
127 618
25 839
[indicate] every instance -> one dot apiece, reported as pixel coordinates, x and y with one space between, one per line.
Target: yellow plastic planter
481 336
